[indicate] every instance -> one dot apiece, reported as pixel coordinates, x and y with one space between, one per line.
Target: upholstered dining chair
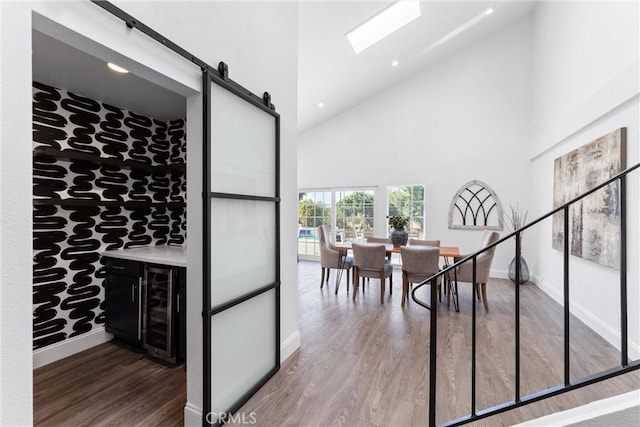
464 272
416 242
419 262
380 240
369 261
330 257
436 243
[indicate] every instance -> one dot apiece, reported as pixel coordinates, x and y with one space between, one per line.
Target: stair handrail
626 366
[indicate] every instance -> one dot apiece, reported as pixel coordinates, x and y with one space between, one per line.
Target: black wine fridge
158 325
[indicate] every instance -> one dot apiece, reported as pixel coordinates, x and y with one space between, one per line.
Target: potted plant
399 235
518 219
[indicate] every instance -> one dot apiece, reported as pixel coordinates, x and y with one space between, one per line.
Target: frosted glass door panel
243 250
242 348
243 146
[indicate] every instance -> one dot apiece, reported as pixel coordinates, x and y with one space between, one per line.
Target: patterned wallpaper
68 235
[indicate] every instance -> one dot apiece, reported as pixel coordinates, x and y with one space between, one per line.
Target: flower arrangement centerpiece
398 222
399 235
518 219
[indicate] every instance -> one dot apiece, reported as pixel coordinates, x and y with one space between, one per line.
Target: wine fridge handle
139 308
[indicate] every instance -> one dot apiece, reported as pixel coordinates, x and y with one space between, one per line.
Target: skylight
379 26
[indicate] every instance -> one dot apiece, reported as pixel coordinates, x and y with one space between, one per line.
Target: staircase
624 366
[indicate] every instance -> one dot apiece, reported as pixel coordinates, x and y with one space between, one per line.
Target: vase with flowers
399 235
518 219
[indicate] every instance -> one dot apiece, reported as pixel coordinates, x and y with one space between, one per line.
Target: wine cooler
157 312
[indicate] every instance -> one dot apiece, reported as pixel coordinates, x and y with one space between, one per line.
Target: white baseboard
192 416
289 346
70 346
611 335
499 274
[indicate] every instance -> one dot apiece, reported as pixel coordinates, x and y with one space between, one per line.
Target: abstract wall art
594 222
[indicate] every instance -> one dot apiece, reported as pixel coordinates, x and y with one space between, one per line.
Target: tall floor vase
524 270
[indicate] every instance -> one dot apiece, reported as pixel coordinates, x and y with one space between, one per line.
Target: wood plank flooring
109 385
365 364
360 364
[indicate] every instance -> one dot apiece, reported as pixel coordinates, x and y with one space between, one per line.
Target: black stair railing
518 400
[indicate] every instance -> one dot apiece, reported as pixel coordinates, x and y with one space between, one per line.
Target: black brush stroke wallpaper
68 275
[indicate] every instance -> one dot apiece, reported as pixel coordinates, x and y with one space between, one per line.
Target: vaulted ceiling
329 72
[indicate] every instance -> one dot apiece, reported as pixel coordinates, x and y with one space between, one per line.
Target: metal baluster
473 341
433 324
517 320
567 367
624 350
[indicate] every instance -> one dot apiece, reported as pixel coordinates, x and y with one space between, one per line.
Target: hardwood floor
365 364
109 385
360 364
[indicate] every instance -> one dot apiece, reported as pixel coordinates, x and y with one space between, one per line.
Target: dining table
447 253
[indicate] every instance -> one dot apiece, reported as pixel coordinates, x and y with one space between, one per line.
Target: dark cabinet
145 306
123 289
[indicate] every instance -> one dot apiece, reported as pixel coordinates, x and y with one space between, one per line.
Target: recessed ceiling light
488 11
117 68
321 104
395 63
390 19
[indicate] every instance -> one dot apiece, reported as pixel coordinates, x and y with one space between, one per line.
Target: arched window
476 206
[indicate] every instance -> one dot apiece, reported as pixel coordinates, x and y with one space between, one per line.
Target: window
349 212
314 209
408 201
354 214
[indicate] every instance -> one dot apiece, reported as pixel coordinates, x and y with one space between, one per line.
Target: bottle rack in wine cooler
157 310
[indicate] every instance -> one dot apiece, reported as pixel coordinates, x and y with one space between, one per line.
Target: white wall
465 118
15 232
586 63
585 84
501 111
257 40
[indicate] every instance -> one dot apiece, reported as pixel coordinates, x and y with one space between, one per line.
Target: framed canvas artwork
594 222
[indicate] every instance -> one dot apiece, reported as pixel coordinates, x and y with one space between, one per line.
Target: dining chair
384 240
415 242
380 240
464 272
436 243
369 261
419 262
330 257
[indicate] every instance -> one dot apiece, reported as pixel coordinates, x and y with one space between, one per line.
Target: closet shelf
70 155
107 203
